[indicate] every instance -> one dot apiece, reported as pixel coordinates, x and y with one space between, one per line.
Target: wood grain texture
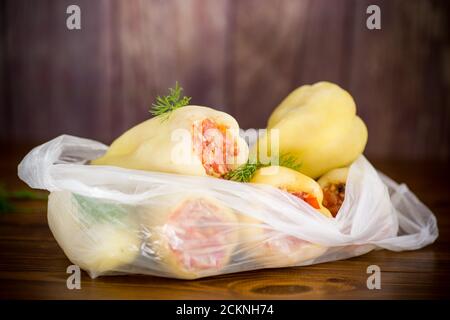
242 57
32 266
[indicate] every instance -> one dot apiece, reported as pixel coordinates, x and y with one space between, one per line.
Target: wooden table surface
32 266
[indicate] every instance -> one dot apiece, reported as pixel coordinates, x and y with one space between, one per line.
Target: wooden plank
263 43
161 42
399 78
239 56
4 74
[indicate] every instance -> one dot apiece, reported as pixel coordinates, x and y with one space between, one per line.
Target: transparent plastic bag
111 220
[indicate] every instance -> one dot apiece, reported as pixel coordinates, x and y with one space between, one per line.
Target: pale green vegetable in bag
96 235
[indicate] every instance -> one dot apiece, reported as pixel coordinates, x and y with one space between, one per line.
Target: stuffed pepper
99 236
191 140
272 248
191 236
333 187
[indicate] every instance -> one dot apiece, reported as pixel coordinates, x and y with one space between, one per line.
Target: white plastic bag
110 220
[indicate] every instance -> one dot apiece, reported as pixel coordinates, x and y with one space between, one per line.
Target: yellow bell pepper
192 140
269 247
293 182
192 236
318 125
99 237
335 176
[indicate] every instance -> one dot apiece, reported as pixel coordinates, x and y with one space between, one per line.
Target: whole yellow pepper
318 125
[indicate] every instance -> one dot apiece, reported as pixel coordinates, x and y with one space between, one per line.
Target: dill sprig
166 104
289 161
245 172
6 205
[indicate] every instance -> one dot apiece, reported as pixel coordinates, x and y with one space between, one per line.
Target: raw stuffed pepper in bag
135 207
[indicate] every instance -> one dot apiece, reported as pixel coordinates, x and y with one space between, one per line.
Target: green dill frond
27 195
6 197
166 104
243 173
289 161
6 206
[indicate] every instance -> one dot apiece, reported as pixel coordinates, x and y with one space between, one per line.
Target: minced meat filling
333 197
215 146
198 235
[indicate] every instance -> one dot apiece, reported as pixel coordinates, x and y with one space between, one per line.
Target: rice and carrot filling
333 197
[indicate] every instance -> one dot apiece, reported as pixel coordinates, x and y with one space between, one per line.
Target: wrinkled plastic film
110 220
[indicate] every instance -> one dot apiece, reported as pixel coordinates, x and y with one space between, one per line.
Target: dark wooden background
239 56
